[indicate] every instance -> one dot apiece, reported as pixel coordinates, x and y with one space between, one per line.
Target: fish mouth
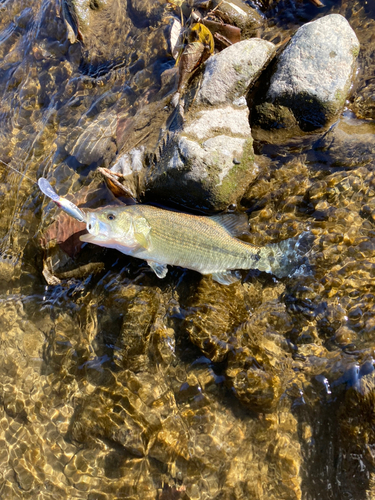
96 228
97 231
90 238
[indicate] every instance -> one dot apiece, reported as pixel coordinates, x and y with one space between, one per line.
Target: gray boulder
312 77
209 161
208 167
229 74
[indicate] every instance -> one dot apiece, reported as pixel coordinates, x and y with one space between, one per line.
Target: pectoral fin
159 269
226 277
142 232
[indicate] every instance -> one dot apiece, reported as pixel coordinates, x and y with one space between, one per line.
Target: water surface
116 384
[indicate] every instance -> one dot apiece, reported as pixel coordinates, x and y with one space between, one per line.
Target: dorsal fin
235 224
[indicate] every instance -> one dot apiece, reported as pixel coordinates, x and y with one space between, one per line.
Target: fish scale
197 242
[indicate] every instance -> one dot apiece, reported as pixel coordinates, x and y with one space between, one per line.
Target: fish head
108 226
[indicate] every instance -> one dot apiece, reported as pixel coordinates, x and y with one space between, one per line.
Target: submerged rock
312 78
240 14
209 161
349 142
243 325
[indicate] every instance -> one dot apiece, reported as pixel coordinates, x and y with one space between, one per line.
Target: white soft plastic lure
61 202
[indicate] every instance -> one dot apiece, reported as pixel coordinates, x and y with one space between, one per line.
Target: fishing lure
61 202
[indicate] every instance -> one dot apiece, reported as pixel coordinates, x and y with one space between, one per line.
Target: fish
206 244
66 205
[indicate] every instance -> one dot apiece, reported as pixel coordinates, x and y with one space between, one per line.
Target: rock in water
349 143
229 74
208 162
240 14
312 77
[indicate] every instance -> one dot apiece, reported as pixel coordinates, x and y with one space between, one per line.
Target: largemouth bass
208 245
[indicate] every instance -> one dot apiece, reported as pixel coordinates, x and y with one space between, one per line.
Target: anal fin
159 269
226 277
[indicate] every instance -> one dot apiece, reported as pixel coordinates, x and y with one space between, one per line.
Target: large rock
229 74
209 161
312 78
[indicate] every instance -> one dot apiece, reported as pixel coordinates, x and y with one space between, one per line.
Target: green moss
340 97
355 51
239 177
240 88
248 157
237 68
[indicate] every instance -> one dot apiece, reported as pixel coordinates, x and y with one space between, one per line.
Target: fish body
161 237
208 245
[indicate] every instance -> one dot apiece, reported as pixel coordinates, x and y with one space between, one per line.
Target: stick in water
17 171
48 190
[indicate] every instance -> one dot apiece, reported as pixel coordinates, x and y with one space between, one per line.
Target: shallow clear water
117 384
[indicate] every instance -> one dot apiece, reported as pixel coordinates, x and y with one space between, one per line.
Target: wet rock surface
313 76
208 162
229 74
240 14
349 141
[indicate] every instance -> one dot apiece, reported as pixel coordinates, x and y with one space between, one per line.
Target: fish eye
111 217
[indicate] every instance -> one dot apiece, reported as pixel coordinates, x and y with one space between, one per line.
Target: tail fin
285 257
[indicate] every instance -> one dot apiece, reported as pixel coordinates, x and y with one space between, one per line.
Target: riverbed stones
253 348
209 161
312 78
239 14
350 143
